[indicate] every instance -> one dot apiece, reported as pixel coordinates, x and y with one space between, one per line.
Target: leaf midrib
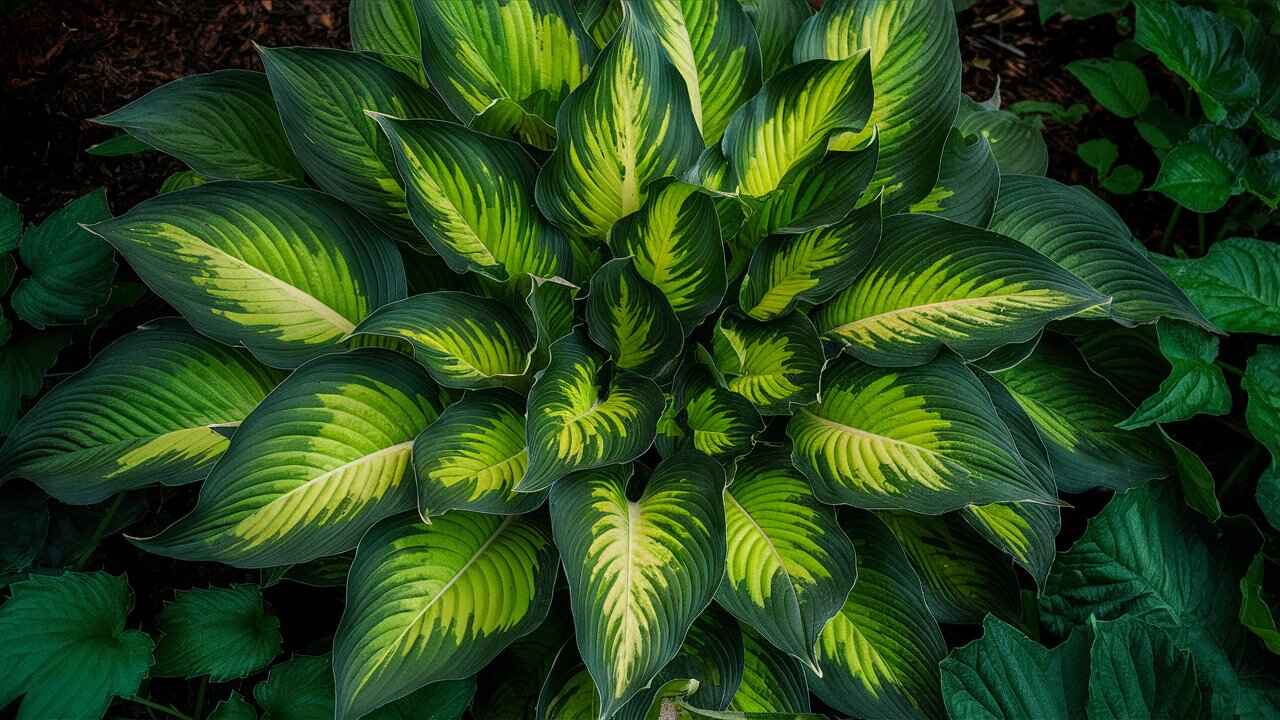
941 304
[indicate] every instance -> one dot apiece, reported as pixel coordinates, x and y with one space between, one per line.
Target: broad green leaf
776 24
1004 675
24 512
705 674
629 123
235 707
287 273
1136 670
936 284
152 407
70 270
1195 178
1117 85
66 649
772 682
1098 154
1076 413
915 63
720 422
1081 233
320 460
790 566
464 341
323 96
505 67
785 127
1017 142
224 633
10 224
773 364
713 45
23 364
925 439
809 267
641 570
674 240
222 124
1198 487
583 413
471 197
1261 384
181 180
1255 614
472 457
301 688
567 692
427 603
1236 285
389 29
962 577
1196 384
968 182
1128 358
879 655
601 18
631 319
122 145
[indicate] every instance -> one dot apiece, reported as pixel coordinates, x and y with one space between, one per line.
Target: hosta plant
669 358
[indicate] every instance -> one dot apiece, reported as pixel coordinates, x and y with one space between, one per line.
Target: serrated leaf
235 707
1194 386
1236 285
287 273
772 681
390 29
301 688
775 364
427 603
968 182
639 571
1136 670
1117 85
776 24
222 124
143 412
937 284
224 633
320 460
631 319
71 270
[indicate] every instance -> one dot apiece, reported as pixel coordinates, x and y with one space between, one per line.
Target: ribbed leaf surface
772 681
224 633
968 182
773 364
631 319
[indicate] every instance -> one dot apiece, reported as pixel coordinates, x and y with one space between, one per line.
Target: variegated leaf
772 681
773 364
389 29
705 674
968 182
720 422
632 320
776 23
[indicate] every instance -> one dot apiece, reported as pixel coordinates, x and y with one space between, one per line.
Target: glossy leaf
224 633
705 674
1117 85
772 681
70 270
1137 670
1016 142
388 28
776 24
968 182
775 364
1196 384
631 319
1236 285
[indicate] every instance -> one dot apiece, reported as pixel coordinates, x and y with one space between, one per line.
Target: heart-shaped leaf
632 320
773 364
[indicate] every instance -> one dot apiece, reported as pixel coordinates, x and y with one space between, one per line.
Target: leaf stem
1166 240
166 709
98 532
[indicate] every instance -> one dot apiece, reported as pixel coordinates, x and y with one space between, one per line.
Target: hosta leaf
325 456
568 692
390 29
1196 384
713 45
471 197
584 414
915 61
785 127
968 182
776 23
790 566
629 123
1076 413
472 456
879 655
775 364
323 96
1003 675
144 411
674 240
721 423
639 571
505 67
1084 235
285 272
464 341
66 648
712 656
122 145
224 633
937 284
223 125
235 707
1136 670
924 439
71 270
181 180
436 602
1236 285
631 319
1016 142
772 681
509 687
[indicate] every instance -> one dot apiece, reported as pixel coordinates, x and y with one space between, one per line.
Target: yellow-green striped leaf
471 197
772 681
925 439
628 124
584 413
968 182
389 29
809 267
785 127
632 320
1081 233
223 124
937 284
567 692
776 23
472 456
720 422
143 412
427 603
713 45
287 273
915 62
639 571
879 655
601 18
465 341
323 96
506 66
674 240
773 364
789 567
320 460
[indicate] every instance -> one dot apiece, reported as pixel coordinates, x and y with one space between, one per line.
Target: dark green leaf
224 633
1137 671
1117 85
1195 385
71 269
1236 286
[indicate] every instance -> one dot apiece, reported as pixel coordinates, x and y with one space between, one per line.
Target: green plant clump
670 358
